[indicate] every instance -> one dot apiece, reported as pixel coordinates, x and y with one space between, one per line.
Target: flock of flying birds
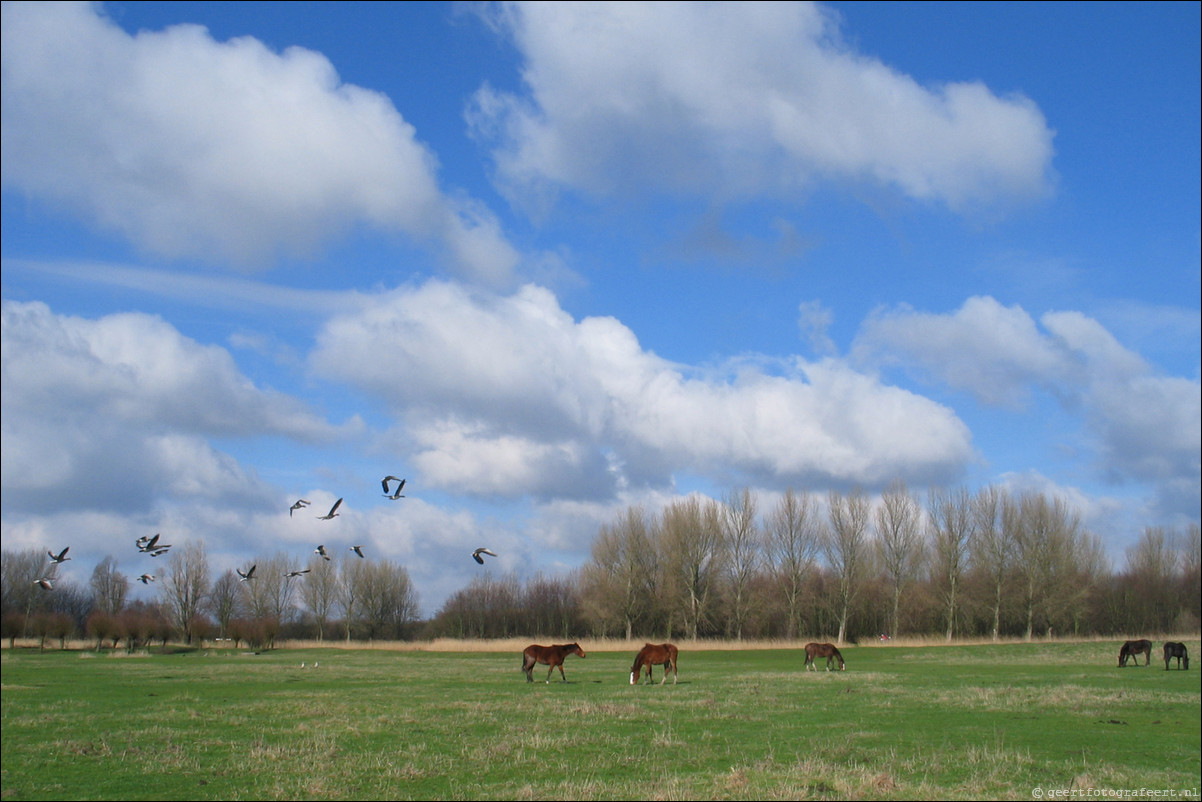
146 545
152 546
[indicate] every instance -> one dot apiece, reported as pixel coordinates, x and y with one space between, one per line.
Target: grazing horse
826 650
654 654
1134 648
552 656
1177 650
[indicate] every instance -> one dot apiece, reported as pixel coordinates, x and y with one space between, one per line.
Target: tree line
349 598
847 567
842 566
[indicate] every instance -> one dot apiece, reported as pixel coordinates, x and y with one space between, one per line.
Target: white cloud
196 148
118 411
992 351
741 99
1148 426
510 395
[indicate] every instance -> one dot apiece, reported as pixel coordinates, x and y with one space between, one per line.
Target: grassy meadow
459 721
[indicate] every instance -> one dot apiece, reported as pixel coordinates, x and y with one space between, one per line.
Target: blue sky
548 261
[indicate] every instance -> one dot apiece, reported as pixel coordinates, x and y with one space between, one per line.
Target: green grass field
990 721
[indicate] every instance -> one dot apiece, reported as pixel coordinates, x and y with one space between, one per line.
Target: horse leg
565 676
528 668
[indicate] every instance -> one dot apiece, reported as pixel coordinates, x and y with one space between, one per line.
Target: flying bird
299 505
146 545
44 583
358 550
322 551
397 493
146 579
476 555
61 557
332 513
247 574
298 573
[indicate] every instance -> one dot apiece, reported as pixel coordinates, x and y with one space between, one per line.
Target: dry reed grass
614 644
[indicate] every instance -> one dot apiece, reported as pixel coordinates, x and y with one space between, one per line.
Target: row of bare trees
368 599
844 565
989 563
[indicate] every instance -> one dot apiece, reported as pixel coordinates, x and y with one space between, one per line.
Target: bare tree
388 601
185 585
846 547
619 579
689 539
319 592
269 591
19 573
741 545
951 520
991 549
550 606
1046 535
1190 548
1152 564
109 588
899 543
226 602
350 590
794 537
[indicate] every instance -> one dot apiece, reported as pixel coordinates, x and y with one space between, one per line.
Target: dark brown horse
654 654
552 656
826 650
1177 650
1134 648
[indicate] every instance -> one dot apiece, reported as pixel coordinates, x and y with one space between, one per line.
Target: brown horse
552 656
1134 648
826 650
1177 650
654 654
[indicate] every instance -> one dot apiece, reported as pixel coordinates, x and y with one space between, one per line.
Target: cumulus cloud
195 148
735 100
120 410
508 394
1147 426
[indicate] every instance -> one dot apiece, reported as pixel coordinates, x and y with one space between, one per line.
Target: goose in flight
322 551
476 555
146 579
60 557
246 574
44 583
299 505
358 550
151 545
298 573
332 513
396 494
